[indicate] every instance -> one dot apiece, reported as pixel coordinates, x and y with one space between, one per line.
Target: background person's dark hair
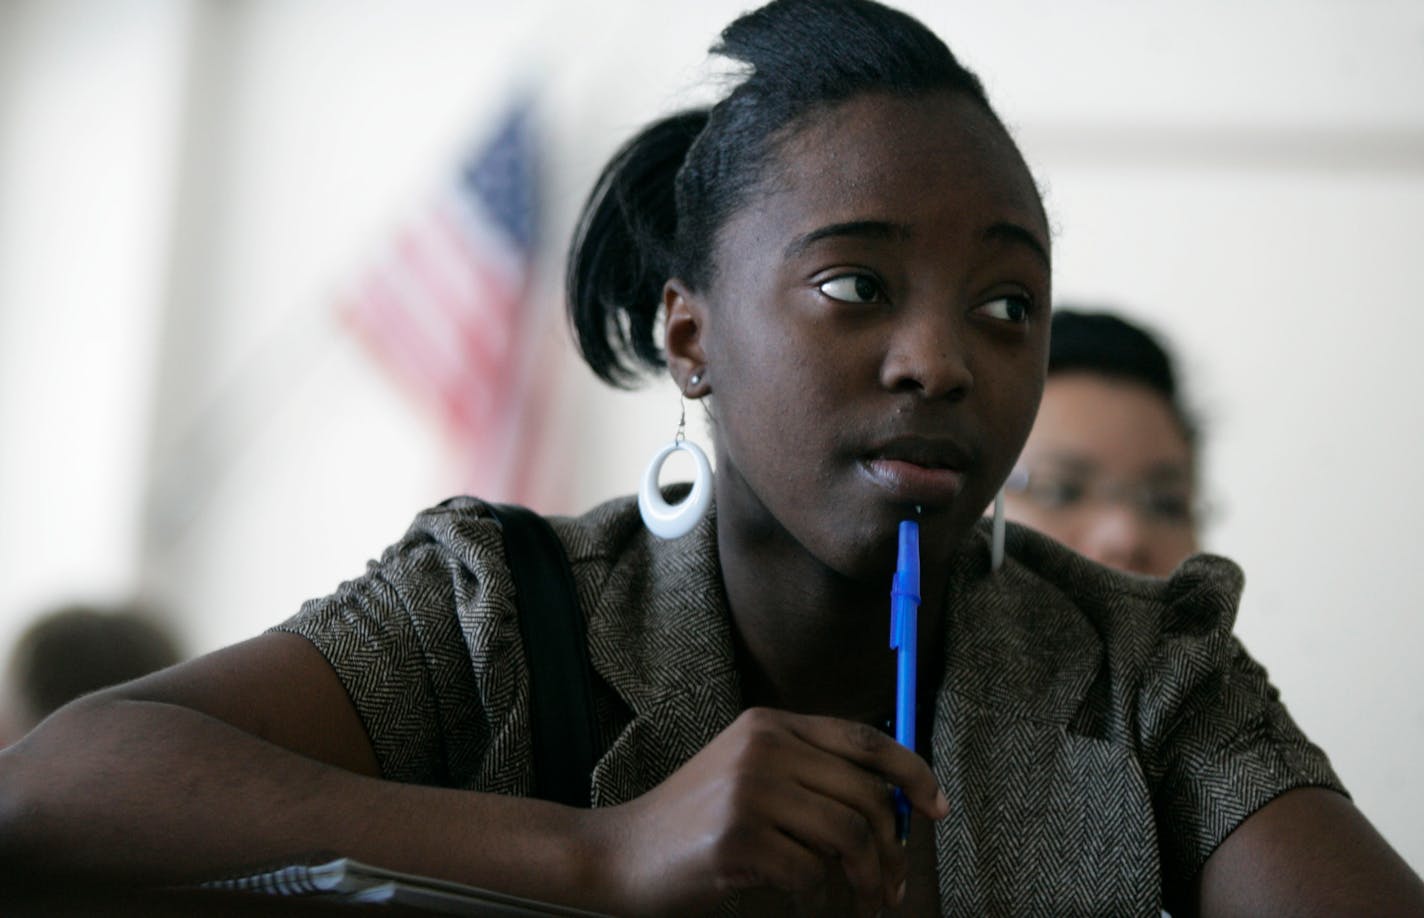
1109 345
79 649
655 211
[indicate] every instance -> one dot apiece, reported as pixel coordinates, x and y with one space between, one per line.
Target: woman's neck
809 639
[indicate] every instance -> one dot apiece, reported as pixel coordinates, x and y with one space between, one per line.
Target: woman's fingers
772 859
873 869
878 753
780 801
841 805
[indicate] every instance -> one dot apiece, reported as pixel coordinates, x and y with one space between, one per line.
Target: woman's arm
255 754
1308 852
251 755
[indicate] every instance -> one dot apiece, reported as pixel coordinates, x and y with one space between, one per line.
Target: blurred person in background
77 649
1110 468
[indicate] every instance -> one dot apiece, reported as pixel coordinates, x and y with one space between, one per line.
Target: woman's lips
913 483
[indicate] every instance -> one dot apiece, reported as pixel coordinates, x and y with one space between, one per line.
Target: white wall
89 103
180 415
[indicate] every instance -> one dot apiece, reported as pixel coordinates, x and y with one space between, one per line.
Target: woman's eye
1169 506
852 288
1059 494
1007 308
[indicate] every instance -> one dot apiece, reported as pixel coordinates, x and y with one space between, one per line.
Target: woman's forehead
1118 425
900 158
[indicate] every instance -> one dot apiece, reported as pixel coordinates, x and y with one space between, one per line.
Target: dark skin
887 335
897 282
255 753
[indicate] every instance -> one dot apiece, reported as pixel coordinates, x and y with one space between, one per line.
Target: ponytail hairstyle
655 211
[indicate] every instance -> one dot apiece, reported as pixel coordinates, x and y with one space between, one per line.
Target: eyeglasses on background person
1168 504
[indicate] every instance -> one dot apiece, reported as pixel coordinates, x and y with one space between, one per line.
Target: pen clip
903 603
905 587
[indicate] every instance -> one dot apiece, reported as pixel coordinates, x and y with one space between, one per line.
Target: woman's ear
683 339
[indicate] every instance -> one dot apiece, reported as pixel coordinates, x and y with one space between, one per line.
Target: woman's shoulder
1200 596
467 529
452 566
618 566
1050 628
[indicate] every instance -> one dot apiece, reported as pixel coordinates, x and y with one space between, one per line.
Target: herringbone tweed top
1098 734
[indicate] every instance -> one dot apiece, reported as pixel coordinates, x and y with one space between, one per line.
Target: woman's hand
775 801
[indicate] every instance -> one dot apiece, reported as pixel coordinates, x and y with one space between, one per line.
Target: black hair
1109 345
655 211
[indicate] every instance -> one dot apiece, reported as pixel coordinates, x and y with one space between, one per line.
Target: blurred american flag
446 309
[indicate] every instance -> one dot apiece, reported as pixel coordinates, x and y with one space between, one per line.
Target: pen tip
918 510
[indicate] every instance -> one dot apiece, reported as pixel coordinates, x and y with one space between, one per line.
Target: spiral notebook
345 880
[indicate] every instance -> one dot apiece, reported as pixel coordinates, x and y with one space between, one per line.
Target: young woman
1110 468
848 258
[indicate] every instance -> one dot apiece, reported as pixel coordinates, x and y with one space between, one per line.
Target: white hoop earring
996 542
668 521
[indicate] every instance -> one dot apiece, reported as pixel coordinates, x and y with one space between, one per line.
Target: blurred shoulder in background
1110 468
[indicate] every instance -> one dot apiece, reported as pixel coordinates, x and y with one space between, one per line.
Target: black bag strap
551 624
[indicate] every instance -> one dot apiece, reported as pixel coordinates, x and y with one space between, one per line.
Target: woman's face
875 333
1109 474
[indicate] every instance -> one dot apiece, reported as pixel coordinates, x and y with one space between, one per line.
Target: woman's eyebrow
860 229
1012 232
1065 462
1169 472
883 229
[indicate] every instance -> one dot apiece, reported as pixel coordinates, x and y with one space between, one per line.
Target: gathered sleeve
1215 742
426 645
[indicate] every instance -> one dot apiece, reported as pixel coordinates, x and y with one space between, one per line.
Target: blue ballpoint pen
904 632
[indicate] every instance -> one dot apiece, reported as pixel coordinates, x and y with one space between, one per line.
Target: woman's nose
927 355
1116 536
